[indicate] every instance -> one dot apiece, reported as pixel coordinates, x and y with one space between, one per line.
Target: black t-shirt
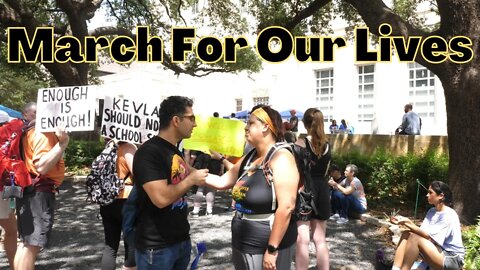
294 123
319 167
253 195
156 227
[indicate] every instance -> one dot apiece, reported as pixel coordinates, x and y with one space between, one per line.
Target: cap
4 117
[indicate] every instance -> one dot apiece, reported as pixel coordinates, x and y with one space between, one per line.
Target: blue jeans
174 257
344 204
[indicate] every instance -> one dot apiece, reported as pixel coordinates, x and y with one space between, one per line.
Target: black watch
271 249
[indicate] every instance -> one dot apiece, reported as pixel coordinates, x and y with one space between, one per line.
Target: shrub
471 238
80 154
392 180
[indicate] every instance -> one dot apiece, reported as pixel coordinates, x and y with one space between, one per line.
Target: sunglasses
191 117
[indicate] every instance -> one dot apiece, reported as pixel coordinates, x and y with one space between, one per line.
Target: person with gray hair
43 156
348 196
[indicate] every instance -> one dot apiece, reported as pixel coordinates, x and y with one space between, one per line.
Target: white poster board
130 120
72 106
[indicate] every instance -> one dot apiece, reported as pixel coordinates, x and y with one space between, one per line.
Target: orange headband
262 115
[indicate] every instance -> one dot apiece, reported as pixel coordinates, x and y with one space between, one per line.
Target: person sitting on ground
438 240
343 127
348 197
333 127
335 173
411 122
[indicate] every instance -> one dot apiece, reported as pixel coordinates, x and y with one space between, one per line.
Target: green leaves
471 239
20 83
391 179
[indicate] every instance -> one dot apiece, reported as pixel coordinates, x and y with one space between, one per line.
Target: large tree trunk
462 95
461 83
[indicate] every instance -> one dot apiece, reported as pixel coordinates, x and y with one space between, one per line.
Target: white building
370 97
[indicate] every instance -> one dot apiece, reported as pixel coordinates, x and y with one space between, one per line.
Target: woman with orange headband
263 230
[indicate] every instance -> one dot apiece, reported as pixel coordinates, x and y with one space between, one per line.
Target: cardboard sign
129 120
71 106
225 136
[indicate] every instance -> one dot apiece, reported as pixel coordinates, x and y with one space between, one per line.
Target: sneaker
193 214
209 214
342 220
334 217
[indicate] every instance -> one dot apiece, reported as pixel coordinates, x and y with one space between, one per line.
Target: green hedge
80 154
391 180
471 238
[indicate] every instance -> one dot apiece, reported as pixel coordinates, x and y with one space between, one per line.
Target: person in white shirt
438 240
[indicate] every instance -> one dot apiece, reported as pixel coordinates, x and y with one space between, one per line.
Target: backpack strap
267 171
245 166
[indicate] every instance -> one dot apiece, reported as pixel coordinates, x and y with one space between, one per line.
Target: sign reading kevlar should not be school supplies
71 106
129 120
225 136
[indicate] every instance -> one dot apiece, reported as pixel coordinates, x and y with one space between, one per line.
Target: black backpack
305 204
103 184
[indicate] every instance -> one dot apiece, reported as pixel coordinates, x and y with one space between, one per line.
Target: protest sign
129 120
225 136
71 106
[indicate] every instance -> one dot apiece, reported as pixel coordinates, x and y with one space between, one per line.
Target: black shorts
35 218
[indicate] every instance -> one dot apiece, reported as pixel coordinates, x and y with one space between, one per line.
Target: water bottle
12 203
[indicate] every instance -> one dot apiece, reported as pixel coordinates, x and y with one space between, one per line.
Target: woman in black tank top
320 152
263 230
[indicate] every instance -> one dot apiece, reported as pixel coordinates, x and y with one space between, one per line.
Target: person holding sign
202 161
35 211
162 179
263 230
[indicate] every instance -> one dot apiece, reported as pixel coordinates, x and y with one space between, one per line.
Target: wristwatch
272 249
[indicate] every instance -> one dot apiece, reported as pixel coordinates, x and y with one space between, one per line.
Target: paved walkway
77 237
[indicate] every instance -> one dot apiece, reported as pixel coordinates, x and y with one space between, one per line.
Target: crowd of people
267 232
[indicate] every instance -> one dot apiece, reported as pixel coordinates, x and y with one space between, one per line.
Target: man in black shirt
162 178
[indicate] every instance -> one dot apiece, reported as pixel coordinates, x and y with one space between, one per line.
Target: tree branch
8 16
89 7
111 30
305 13
375 12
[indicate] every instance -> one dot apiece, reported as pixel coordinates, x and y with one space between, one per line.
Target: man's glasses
190 116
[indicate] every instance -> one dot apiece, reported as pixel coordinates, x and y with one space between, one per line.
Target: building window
324 92
421 90
366 93
260 100
238 104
